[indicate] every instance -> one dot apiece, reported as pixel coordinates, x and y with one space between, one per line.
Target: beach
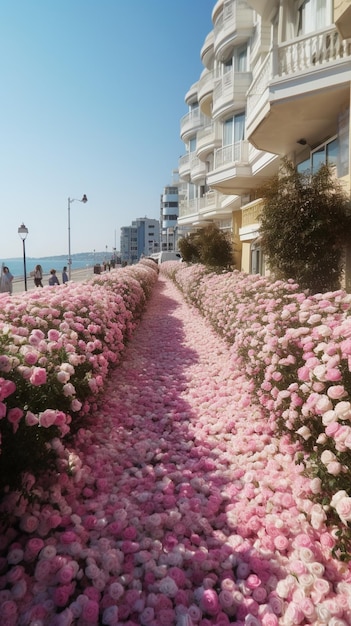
78 276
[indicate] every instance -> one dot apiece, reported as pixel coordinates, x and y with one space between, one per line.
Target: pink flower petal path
183 508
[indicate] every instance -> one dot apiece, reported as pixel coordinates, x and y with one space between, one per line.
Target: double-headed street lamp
70 200
23 232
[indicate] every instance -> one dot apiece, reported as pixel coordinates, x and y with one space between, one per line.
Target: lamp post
70 200
23 232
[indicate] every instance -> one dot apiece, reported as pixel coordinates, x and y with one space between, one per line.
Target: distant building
169 213
139 239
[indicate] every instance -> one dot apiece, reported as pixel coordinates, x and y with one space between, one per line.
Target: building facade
276 83
139 239
169 213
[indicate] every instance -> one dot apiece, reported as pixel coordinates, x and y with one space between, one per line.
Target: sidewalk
181 507
77 276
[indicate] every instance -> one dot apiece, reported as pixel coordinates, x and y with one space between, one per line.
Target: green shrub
304 226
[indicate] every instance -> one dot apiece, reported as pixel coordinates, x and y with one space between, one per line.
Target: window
241 59
227 66
234 129
313 15
192 144
327 153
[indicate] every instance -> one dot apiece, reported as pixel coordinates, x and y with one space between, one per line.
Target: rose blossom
209 601
38 376
168 586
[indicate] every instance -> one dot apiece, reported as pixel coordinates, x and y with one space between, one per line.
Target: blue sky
92 97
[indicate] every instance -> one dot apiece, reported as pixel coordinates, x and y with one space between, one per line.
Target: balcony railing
230 91
192 121
236 15
295 56
237 152
251 213
310 51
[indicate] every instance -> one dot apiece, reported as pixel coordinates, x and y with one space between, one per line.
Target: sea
79 261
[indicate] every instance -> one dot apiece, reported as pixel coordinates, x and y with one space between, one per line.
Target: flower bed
57 346
296 351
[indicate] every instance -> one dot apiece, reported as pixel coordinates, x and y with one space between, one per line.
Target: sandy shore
77 276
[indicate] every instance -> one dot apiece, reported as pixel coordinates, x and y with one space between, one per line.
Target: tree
305 224
209 245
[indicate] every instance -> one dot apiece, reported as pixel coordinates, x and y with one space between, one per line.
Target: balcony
229 94
233 26
207 51
205 91
250 220
203 210
191 123
184 167
197 169
299 92
208 140
232 172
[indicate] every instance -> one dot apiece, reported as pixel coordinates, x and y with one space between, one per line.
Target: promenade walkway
182 508
77 276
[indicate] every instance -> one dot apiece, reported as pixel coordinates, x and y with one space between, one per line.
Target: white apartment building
276 82
139 239
169 213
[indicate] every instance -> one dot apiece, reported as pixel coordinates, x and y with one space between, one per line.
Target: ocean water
79 261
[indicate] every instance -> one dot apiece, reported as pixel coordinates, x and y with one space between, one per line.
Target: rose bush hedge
295 348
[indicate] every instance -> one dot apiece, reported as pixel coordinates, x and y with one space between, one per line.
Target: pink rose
147 616
38 376
29 523
31 419
209 602
343 509
14 416
47 418
90 612
336 392
61 595
269 619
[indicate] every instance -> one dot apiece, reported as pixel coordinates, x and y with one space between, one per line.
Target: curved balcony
205 91
197 169
184 167
208 139
207 51
191 123
233 26
298 92
191 95
265 8
232 172
229 94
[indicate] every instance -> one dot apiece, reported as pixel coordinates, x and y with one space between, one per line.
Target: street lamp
70 200
23 232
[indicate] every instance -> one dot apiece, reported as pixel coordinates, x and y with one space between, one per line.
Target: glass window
304 166
332 152
318 158
241 59
234 129
192 144
313 15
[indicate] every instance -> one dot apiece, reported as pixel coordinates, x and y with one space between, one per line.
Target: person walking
64 275
53 280
38 276
6 280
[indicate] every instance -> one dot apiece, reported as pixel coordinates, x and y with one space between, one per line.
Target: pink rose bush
296 349
58 347
177 502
